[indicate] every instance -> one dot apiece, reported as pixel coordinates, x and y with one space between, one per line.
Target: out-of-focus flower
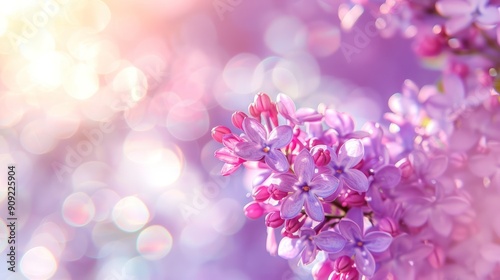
463 13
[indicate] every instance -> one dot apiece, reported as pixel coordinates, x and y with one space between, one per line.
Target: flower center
306 188
359 243
266 149
339 171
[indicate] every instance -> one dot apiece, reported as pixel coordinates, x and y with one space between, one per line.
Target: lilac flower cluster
414 196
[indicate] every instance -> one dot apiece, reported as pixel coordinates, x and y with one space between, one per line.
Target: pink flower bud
388 225
406 168
429 45
352 199
253 210
342 264
437 258
274 219
277 194
261 193
237 119
322 157
294 224
262 102
253 111
460 69
219 131
321 271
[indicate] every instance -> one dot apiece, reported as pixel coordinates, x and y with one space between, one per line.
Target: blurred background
106 109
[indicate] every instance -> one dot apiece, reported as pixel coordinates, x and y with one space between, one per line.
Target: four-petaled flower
308 244
362 245
260 145
343 163
305 187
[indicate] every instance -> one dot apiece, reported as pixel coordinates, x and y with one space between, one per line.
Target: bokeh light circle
38 263
154 242
130 214
188 120
78 209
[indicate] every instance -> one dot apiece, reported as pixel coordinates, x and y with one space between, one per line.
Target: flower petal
491 252
286 107
227 156
286 183
254 130
280 137
456 24
330 241
249 151
313 207
228 168
450 8
292 205
388 176
365 262
441 223
309 253
482 165
290 248
355 180
351 153
304 166
416 216
453 205
436 167
377 241
277 161
350 230
324 185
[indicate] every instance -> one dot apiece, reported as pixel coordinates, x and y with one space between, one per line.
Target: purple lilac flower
361 245
488 164
438 210
305 187
226 154
343 124
261 145
308 243
350 154
286 107
463 13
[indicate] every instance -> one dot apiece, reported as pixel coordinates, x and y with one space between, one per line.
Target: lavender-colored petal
280 137
453 205
324 185
254 130
290 248
226 155
450 8
304 166
249 151
355 180
313 207
330 241
441 223
491 252
341 122
355 215
292 205
417 253
308 115
437 166
309 253
286 107
365 262
277 161
286 182
488 16
351 153
388 176
350 230
456 24
416 216
358 134
377 241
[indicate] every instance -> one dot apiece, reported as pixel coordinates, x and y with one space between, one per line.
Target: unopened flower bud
277 194
253 111
342 264
253 210
321 157
388 225
261 193
294 224
352 199
274 219
237 119
262 102
219 131
322 270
